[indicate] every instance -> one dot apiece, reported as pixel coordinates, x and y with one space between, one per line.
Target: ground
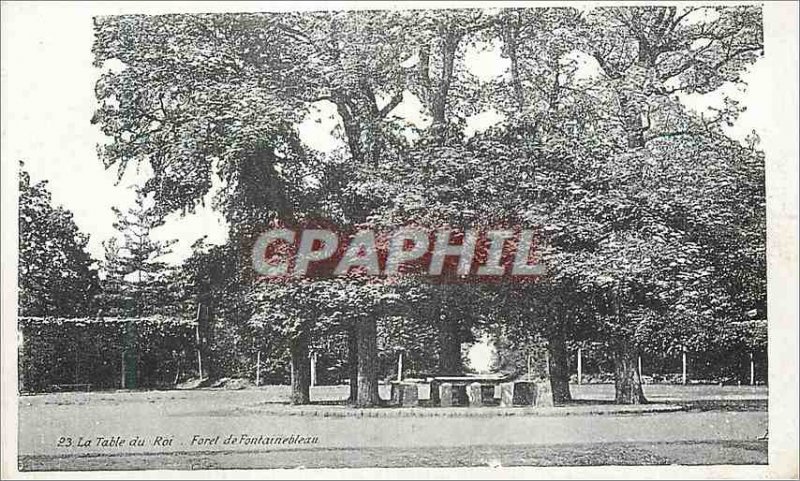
189 429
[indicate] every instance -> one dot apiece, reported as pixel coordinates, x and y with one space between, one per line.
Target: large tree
57 276
646 54
596 162
200 94
136 280
632 177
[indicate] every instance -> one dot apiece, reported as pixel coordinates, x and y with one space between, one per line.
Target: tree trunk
559 366
367 337
449 362
352 363
627 379
351 127
207 334
511 43
439 104
634 126
300 370
449 348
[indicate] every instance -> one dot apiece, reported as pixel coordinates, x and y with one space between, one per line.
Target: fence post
313 368
580 366
530 368
122 370
547 360
752 371
258 368
684 363
639 360
197 340
400 366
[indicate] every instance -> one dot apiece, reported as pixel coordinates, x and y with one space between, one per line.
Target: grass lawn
721 426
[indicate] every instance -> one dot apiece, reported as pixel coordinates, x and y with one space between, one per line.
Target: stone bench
474 394
450 394
449 391
526 393
405 394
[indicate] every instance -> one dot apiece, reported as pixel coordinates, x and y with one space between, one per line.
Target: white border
780 141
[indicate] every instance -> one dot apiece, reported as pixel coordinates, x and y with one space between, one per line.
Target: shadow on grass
730 405
727 405
586 402
580 454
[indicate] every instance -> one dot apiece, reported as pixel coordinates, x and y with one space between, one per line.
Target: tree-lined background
652 219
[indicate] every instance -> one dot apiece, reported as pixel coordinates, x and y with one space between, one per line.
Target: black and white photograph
543 239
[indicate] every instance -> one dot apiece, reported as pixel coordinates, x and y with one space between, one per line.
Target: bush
91 351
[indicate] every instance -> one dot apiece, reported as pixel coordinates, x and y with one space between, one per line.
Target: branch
424 65
373 101
680 17
686 65
161 103
672 134
322 97
606 67
394 102
293 33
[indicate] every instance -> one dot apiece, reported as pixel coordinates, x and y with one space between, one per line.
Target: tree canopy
651 220
57 277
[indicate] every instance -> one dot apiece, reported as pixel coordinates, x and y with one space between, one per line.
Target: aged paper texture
410 239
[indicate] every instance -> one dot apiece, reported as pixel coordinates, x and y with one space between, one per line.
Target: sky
48 100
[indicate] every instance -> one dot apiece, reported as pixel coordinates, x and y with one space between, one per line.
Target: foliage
89 351
137 282
651 221
57 277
